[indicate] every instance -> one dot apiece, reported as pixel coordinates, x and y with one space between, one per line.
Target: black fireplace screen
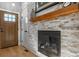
49 43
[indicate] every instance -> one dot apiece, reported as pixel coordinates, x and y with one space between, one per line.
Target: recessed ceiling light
13 4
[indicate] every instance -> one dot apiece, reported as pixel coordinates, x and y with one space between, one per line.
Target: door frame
19 17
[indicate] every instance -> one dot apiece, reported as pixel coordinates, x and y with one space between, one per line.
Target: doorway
8 29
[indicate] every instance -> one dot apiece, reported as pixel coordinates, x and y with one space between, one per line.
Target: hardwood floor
15 51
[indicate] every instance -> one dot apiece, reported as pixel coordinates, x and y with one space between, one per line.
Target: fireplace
49 43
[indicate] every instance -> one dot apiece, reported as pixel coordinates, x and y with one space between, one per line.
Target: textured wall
68 25
26 40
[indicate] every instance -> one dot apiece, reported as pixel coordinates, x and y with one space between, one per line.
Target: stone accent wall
70 43
69 27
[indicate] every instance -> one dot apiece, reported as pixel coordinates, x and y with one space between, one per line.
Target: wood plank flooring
15 51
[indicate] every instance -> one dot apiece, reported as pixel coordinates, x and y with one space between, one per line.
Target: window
6 17
9 17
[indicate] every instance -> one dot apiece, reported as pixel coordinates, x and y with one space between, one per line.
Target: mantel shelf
60 12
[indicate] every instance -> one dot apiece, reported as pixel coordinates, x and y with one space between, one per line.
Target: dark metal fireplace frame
53 38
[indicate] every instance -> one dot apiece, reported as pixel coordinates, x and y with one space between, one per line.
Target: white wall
8 6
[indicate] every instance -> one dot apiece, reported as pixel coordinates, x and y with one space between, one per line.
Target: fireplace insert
49 43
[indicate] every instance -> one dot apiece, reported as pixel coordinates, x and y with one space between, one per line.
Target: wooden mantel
60 12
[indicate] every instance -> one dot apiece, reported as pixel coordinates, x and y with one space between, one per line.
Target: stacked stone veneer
69 27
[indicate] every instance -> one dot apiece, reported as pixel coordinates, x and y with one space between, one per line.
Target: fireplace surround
49 43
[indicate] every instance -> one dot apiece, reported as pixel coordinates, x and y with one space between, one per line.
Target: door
8 29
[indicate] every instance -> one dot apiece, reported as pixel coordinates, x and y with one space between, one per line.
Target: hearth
49 43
